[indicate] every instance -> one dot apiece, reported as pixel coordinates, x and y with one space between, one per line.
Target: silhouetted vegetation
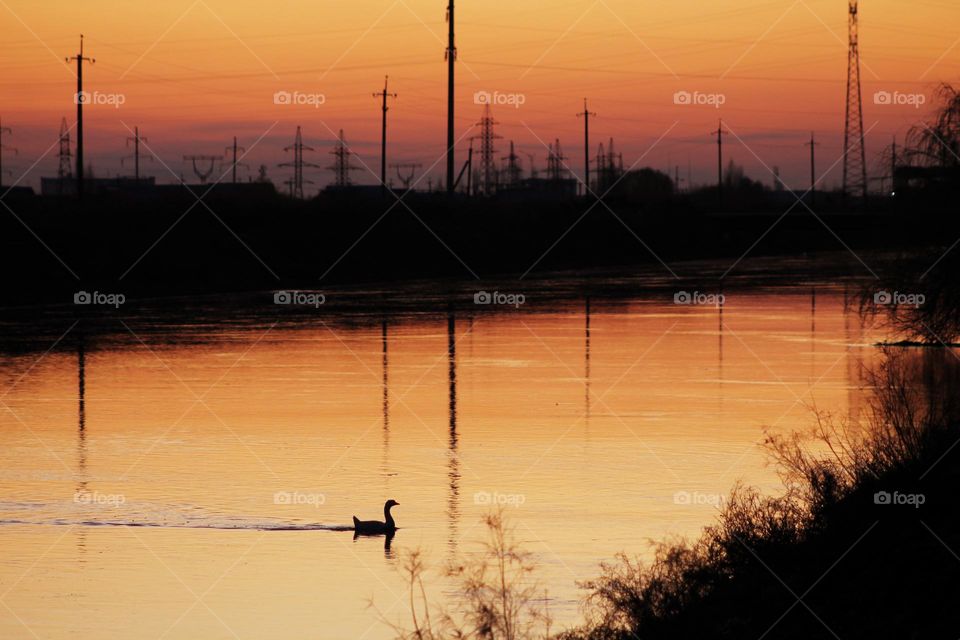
839 554
498 597
920 300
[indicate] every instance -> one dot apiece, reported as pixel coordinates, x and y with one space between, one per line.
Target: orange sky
194 73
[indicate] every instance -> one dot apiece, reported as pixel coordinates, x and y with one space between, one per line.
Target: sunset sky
194 73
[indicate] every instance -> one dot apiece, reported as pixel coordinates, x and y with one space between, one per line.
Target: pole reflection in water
81 435
586 362
453 503
386 397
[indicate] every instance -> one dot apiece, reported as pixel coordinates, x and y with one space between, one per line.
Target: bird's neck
387 517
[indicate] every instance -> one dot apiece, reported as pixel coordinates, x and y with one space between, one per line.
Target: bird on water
387 525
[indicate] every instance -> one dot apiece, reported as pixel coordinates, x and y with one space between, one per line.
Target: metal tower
80 98
65 170
406 178
296 183
854 151
341 166
488 167
555 158
513 170
197 161
4 130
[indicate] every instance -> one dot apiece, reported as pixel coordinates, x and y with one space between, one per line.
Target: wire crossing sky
194 73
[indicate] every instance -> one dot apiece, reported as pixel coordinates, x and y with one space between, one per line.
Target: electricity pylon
854 150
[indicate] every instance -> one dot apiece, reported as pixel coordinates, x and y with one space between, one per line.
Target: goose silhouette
374 527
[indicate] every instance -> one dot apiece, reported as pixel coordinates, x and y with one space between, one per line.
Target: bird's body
373 527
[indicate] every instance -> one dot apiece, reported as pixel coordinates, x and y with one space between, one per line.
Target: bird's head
391 503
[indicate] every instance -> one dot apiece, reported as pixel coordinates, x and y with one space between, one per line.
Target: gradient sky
194 73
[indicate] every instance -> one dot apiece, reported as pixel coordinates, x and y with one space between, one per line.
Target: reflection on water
453 502
136 476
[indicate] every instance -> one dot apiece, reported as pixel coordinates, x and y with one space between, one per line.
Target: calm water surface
600 425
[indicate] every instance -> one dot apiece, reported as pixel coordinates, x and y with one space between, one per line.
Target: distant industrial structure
854 146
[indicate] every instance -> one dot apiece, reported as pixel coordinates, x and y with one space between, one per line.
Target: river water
187 479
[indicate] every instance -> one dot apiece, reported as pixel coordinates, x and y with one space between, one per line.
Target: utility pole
451 58
586 113
233 166
719 133
8 131
383 136
79 99
136 140
813 168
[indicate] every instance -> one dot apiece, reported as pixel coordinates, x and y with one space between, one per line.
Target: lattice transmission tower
854 151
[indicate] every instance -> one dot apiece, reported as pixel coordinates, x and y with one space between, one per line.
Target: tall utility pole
719 133
136 140
79 99
9 131
813 167
236 150
586 113
854 151
383 135
451 58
